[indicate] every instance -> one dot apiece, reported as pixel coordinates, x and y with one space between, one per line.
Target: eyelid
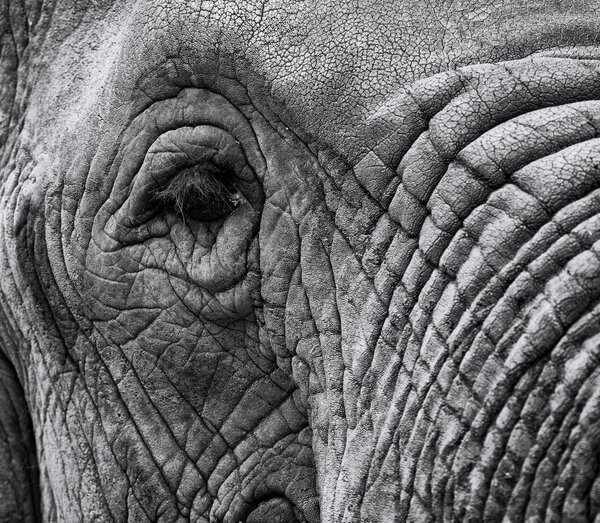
174 151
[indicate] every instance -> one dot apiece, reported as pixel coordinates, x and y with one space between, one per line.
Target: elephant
274 261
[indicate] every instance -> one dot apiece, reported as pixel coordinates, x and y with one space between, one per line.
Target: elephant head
299 261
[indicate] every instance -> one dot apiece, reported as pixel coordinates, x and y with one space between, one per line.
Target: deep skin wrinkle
393 320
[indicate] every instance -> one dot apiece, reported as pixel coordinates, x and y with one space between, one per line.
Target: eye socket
204 192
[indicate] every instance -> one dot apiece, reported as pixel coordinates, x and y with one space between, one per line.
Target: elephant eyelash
204 192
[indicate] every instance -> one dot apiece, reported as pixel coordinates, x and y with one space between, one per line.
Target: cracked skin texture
398 320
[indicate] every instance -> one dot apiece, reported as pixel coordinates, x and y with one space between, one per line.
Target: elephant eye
202 192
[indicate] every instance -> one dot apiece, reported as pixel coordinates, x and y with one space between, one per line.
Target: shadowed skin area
299 261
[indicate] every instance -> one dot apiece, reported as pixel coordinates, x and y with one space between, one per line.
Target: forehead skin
326 64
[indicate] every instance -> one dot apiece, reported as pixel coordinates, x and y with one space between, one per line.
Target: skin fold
299 261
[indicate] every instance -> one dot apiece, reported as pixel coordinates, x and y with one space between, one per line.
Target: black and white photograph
299 261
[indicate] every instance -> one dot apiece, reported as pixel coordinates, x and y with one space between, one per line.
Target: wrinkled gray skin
399 318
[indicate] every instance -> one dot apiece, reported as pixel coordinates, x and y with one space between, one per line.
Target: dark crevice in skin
21 452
